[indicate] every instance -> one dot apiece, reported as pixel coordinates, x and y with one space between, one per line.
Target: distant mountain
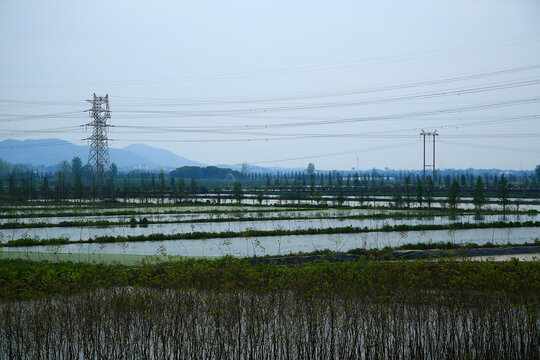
50 152
164 157
45 152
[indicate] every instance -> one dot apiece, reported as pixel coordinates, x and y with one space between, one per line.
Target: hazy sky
281 83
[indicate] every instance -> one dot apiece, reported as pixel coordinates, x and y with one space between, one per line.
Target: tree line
74 181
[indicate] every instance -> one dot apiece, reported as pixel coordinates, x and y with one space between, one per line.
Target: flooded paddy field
251 204
163 214
279 245
194 298
42 211
78 233
171 220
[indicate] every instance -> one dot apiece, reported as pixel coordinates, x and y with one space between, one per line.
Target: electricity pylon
434 134
98 157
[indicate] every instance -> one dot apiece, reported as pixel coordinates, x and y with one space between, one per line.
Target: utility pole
434 135
98 157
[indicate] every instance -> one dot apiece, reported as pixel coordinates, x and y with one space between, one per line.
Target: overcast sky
281 83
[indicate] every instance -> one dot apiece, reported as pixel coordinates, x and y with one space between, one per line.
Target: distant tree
503 189
193 187
356 182
298 190
31 188
76 165
361 196
245 168
310 169
260 197
181 188
144 187
218 195
161 186
65 167
340 195
78 188
127 187
45 190
25 189
60 185
238 194
453 193
174 189
479 198
419 192
537 173
109 188
408 191
114 170
12 188
429 191
312 183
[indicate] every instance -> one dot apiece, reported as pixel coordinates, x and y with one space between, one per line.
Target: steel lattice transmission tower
429 134
98 157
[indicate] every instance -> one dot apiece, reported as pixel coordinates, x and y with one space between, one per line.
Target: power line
407 115
512 149
343 92
280 137
299 69
41 116
336 153
225 112
449 92
48 144
251 112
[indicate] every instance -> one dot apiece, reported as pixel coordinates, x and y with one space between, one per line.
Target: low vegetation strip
23 279
399 254
262 233
230 309
434 253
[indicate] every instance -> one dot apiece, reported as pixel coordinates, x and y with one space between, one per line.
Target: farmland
263 276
